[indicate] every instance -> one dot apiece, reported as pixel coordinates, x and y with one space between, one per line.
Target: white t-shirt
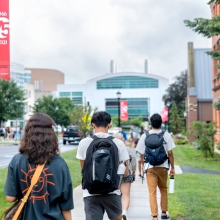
84 144
168 146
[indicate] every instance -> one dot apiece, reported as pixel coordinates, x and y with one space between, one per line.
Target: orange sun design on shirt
39 191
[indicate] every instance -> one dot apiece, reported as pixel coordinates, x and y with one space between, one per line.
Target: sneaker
165 216
154 218
124 215
140 175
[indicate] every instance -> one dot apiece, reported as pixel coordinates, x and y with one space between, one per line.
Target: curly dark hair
39 141
101 119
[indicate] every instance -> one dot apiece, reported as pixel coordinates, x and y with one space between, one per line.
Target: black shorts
95 206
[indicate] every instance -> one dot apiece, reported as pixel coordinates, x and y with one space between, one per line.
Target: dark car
72 134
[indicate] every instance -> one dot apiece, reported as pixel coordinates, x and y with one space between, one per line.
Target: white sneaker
124 215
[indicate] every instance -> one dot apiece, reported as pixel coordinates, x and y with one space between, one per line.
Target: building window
64 94
127 82
77 94
136 107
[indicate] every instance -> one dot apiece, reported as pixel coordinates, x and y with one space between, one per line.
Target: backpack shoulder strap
110 138
94 137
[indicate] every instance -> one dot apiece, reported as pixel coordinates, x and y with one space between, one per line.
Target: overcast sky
80 37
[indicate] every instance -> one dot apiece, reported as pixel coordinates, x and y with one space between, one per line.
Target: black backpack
155 153
101 166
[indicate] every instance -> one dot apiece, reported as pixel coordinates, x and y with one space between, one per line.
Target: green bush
218 146
204 135
181 141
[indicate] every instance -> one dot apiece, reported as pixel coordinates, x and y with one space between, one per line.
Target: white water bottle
171 184
121 171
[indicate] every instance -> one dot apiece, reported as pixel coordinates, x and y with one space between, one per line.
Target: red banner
124 110
164 114
4 40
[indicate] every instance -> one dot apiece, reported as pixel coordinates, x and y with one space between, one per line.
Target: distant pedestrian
138 156
51 197
123 133
2 132
157 167
127 180
101 186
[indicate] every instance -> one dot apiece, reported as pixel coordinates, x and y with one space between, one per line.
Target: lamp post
119 110
168 106
37 103
57 108
185 114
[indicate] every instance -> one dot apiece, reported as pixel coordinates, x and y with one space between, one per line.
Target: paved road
186 169
8 151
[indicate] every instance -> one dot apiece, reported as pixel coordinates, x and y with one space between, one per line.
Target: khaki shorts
95 206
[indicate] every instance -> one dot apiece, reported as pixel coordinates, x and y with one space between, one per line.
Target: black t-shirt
52 193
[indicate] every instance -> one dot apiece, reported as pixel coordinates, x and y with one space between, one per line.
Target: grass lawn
196 196
186 155
75 172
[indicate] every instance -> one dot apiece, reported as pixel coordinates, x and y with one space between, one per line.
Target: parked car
72 135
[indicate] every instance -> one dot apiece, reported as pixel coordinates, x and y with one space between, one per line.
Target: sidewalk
139 206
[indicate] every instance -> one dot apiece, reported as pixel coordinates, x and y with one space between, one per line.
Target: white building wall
29 102
96 97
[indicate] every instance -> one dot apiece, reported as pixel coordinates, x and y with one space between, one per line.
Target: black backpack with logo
155 153
101 166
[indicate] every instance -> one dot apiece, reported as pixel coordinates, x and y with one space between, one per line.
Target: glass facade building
127 82
136 107
142 91
76 97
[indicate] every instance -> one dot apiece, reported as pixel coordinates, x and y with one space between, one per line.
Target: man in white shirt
157 175
96 205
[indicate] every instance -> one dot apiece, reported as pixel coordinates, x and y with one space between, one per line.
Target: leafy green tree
81 117
11 101
177 92
48 104
208 28
175 121
204 135
137 121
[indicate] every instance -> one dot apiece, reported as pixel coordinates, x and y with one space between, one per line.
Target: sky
81 37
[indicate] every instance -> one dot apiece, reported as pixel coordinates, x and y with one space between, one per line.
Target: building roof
110 75
203 74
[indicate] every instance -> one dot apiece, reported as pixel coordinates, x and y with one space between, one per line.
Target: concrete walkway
139 206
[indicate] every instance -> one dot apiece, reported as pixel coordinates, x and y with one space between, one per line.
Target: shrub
204 135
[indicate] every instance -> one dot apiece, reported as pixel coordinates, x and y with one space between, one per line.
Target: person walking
97 197
127 180
138 156
123 133
157 166
52 196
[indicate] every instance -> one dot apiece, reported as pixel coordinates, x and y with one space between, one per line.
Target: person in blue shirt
123 133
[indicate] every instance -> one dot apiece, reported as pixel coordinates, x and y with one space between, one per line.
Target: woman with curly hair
51 197
126 181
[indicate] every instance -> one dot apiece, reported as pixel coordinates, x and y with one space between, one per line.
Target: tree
175 122
81 117
208 28
11 101
137 121
177 92
204 134
47 105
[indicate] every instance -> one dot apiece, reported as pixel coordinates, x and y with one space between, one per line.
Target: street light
37 103
168 106
57 108
119 97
